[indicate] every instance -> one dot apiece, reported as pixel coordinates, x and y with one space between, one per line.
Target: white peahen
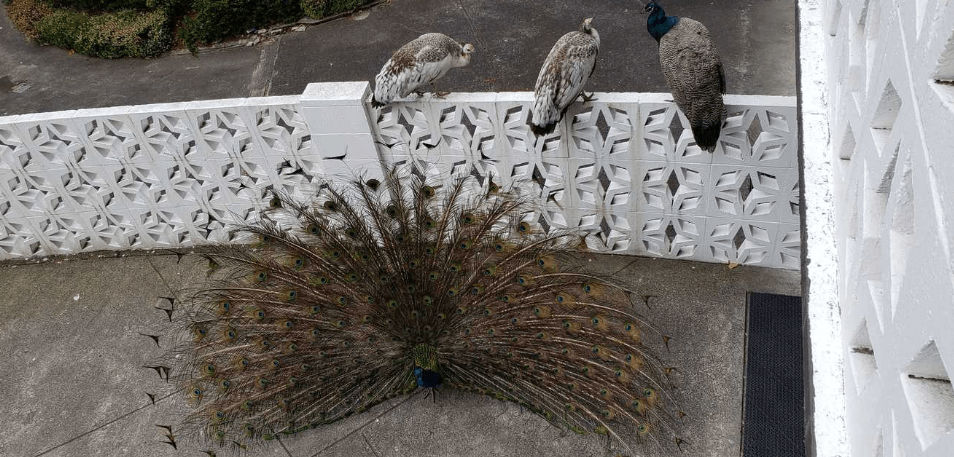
561 80
417 64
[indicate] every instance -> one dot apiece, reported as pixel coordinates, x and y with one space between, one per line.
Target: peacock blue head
658 23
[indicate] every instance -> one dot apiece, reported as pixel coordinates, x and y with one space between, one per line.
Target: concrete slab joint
623 168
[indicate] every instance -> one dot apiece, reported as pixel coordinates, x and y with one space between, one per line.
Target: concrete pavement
756 40
74 384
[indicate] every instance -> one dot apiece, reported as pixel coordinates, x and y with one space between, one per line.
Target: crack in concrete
103 425
362 426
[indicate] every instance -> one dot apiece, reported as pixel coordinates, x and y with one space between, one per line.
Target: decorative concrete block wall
627 171
890 69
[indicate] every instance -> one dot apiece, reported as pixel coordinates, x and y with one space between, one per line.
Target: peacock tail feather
376 289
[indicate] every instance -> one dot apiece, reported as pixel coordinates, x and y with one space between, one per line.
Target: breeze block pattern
890 72
623 168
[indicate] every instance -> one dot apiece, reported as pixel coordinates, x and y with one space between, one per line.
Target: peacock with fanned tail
376 289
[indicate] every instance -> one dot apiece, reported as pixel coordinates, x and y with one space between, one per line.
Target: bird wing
692 67
576 69
565 71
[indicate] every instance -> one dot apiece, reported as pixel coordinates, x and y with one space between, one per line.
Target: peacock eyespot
629 357
596 349
427 191
276 363
261 276
342 300
330 205
313 229
225 306
243 363
197 392
341 323
642 429
433 276
619 373
466 331
587 288
352 277
468 218
499 247
392 303
427 299
315 309
230 334
288 324
299 262
560 298
586 370
461 310
454 267
351 233
487 311
648 392
441 316
453 292
541 336
292 295
628 327
415 314
491 331
566 324
536 311
595 321
260 314
292 347
514 320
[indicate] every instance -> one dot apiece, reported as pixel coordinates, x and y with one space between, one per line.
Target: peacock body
693 71
568 66
418 63
377 289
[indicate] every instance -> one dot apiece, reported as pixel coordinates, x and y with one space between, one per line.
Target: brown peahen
693 71
376 289
568 66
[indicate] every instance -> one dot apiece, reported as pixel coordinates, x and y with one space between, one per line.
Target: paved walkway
756 40
73 382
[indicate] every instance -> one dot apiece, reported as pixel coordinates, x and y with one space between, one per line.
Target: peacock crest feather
376 289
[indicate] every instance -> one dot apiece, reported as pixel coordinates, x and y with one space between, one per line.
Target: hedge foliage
144 28
125 33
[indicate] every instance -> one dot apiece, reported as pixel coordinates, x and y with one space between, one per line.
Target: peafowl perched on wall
564 73
418 63
376 289
693 71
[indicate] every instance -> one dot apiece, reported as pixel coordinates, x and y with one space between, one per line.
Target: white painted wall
627 170
890 175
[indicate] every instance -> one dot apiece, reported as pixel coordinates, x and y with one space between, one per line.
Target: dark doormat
774 415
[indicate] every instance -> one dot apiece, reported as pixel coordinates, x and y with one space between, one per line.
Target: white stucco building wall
879 196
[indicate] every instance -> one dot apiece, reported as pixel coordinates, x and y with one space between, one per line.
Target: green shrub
124 33
318 9
218 19
99 5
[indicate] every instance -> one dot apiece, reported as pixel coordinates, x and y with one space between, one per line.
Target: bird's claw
588 98
441 93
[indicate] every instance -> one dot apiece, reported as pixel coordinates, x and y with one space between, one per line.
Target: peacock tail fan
375 289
